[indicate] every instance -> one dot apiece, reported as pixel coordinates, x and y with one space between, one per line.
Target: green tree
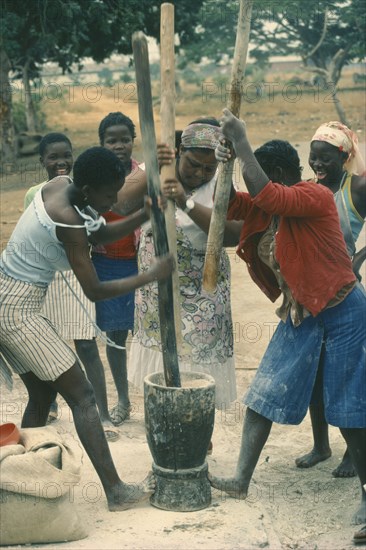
105 76
65 31
216 32
325 34
32 33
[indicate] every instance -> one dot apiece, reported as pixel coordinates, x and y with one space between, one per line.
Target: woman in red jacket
292 244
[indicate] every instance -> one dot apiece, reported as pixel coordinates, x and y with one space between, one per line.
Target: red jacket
310 247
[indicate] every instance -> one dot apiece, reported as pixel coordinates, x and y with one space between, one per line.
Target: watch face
189 204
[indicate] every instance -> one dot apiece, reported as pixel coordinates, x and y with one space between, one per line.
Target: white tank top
34 253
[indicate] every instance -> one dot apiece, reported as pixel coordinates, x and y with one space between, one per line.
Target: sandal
111 433
360 536
119 414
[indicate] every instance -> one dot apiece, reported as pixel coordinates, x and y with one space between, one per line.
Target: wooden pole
167 116
222 192
165 298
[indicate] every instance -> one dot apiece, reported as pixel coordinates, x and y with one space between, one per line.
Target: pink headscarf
338 134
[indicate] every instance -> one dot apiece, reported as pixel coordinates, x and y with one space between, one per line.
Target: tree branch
317 70
321 39
337 62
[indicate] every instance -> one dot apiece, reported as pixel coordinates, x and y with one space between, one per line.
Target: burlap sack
37 482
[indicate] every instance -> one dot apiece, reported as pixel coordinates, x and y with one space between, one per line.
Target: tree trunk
8 143
30 113
339 108
332 77
335 70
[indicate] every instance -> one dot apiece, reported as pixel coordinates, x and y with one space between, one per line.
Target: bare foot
309 460
230 486
346 468
360 514
126 495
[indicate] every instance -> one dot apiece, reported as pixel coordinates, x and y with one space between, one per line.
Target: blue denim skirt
333 343
115 313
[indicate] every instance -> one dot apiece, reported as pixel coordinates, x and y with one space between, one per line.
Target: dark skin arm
358 191
358 260
76 244
234 130
114 231
131 196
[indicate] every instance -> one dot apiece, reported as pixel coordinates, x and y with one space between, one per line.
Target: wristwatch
189 206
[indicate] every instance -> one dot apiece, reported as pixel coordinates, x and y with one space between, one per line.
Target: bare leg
117 359
78 393
88 353
321 450
256 429
356 444
40 398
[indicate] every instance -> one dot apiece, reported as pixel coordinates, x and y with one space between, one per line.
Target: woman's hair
178 139
114 119
208 120
97 167
52 137
278 152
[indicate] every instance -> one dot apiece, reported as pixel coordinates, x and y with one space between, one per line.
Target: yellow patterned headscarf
338 134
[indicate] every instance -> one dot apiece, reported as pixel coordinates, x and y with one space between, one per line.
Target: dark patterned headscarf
202 135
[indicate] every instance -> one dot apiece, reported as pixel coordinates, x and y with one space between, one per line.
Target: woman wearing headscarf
337 163
207 331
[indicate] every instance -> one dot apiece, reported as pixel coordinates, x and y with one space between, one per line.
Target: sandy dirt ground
286 508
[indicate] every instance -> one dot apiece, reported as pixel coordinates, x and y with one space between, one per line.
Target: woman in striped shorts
53 234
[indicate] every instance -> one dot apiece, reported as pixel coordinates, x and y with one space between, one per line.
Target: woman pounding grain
53 234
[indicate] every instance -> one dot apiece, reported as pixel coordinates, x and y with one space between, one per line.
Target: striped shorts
29 341
69 310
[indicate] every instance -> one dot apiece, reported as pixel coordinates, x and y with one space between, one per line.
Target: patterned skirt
207 329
